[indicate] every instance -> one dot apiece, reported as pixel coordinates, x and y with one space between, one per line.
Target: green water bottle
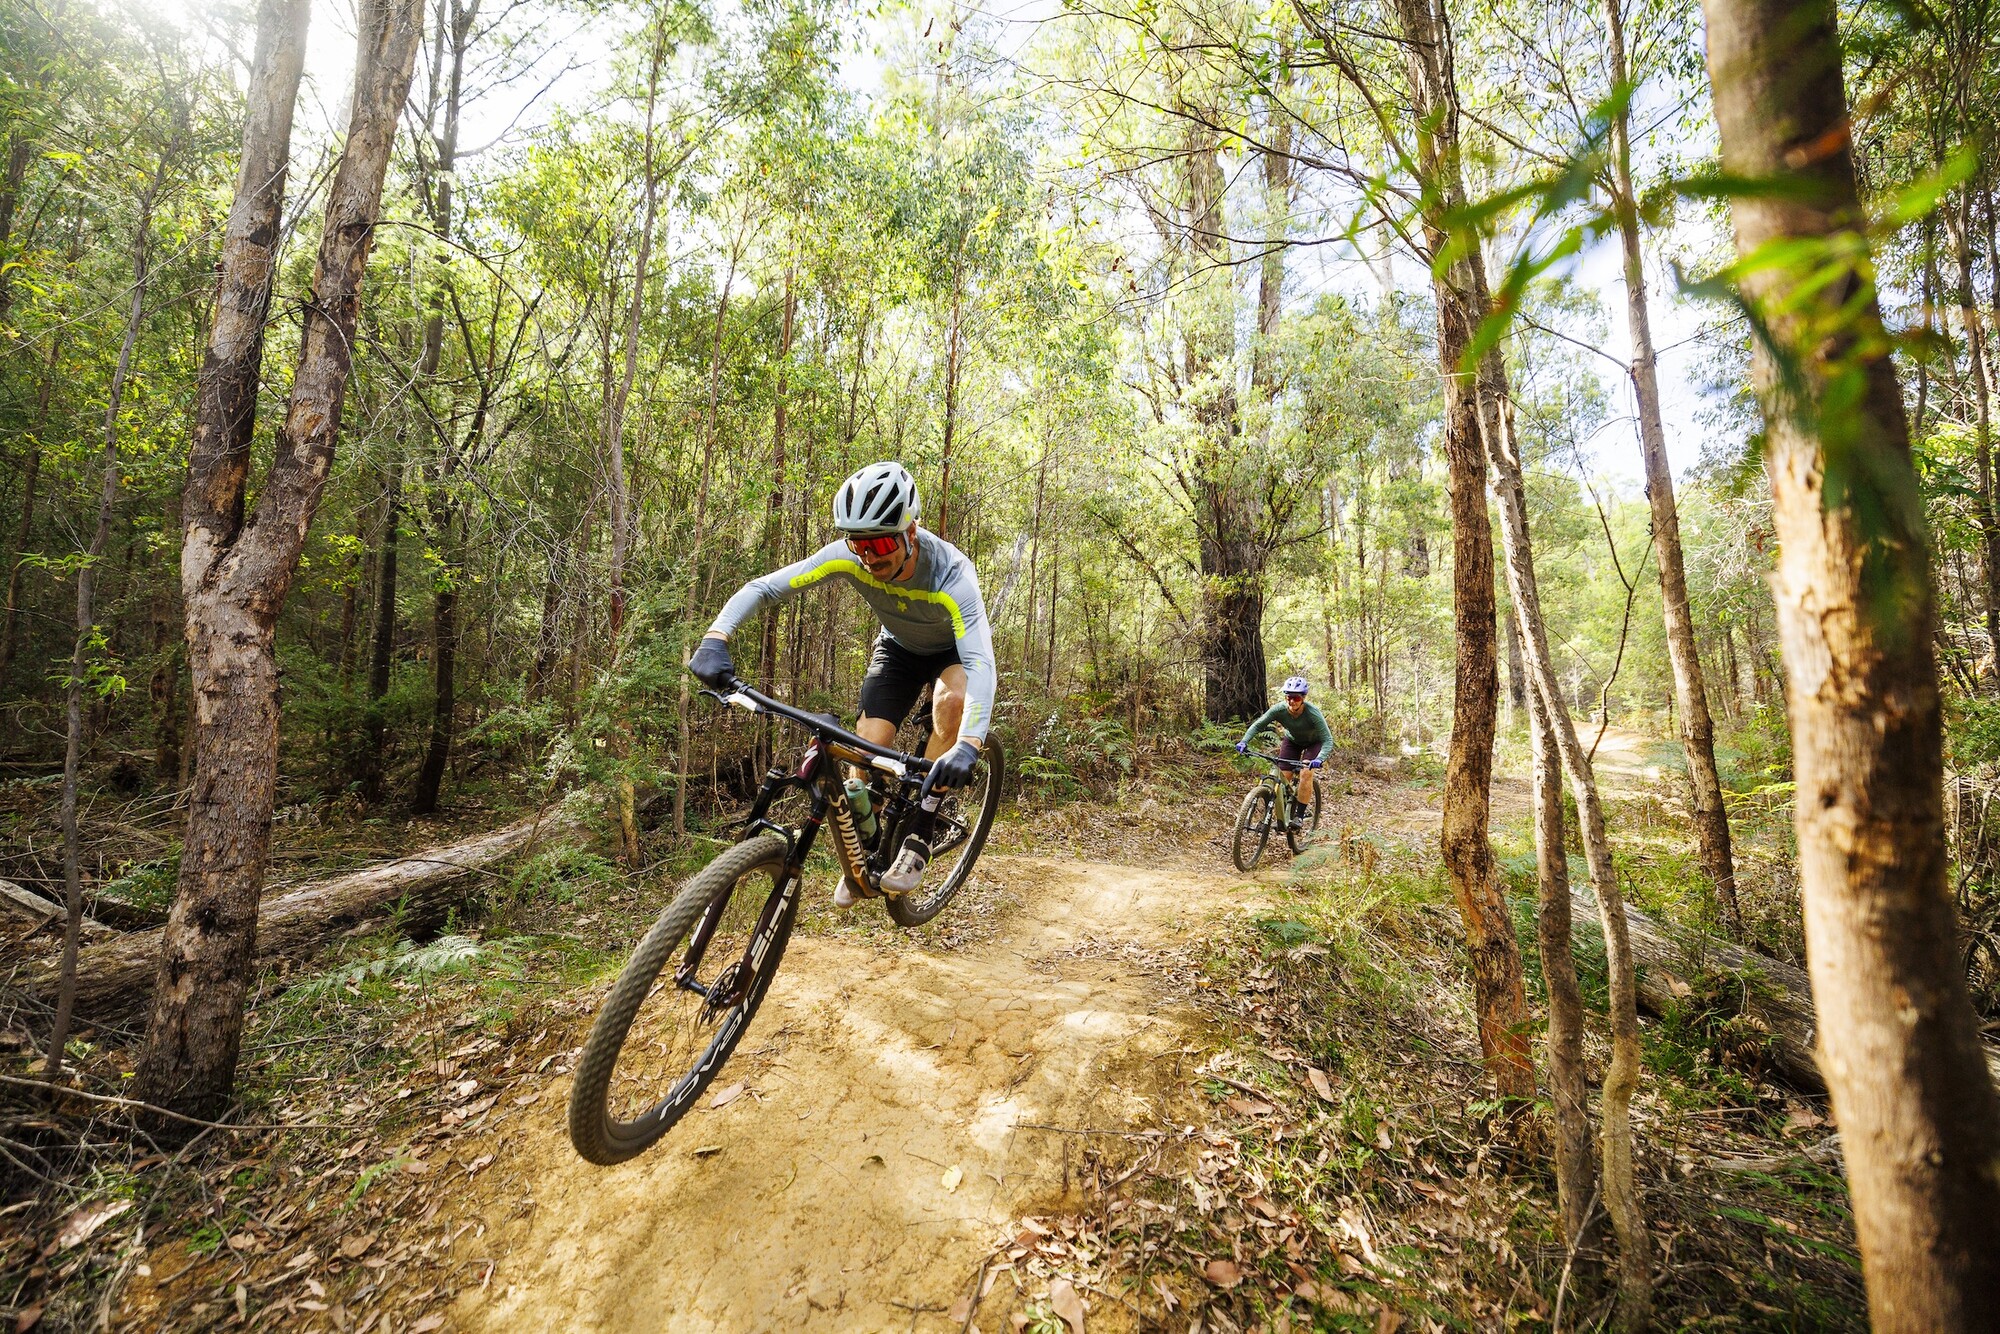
862 803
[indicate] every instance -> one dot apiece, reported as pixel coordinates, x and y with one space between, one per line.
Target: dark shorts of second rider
1291 750
896 676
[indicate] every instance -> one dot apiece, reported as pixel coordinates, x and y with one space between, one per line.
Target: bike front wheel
964 820
683 1002
1253 828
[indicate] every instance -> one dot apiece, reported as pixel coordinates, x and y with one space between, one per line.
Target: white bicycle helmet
1295 685
880 498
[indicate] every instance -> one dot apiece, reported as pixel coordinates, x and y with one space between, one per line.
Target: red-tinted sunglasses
886 545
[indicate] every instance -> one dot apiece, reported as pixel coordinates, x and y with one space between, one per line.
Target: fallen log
1678 965
39 912
117 976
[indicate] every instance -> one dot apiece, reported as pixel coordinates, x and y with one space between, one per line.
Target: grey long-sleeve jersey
939 607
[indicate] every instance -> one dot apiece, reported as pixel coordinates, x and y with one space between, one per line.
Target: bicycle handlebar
881 757
1284 763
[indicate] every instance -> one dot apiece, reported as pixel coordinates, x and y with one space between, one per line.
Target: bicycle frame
1283 771
815 778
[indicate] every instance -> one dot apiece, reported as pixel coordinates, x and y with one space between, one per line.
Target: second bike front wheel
680 1007
1253 828
966 819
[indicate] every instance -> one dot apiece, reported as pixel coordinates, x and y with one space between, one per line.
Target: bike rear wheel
1253 828
1297 839
683 1002
964 819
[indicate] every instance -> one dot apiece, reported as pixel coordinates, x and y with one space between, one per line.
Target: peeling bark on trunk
1919 1121
236 572
1499 988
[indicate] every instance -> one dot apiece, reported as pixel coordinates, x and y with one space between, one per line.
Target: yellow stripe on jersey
859 575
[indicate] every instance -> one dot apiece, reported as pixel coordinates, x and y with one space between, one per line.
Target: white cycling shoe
908 871
845 896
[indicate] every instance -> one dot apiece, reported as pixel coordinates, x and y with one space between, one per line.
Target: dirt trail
820 1199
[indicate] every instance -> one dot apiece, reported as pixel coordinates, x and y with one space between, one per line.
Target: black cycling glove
953 769
712 665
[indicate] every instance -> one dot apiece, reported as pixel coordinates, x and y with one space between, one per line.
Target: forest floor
1117 1083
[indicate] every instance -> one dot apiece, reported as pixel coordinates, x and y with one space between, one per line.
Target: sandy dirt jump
900 1106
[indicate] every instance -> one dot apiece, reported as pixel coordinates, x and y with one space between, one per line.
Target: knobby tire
599 1135
1253 823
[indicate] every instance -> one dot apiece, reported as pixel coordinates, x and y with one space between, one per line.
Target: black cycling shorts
896 676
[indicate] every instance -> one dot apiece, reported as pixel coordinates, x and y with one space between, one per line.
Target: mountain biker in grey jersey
925 593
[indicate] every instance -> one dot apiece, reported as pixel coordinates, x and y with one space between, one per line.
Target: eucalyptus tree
1919 1119
237 568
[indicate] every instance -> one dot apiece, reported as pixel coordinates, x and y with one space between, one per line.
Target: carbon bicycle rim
682 1003
964 820
1253 828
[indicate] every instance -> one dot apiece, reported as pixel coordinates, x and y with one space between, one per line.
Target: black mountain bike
694 983
1259 814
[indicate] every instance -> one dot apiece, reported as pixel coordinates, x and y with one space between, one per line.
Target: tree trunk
235 572
697 586
1499 988
1711 818
1226 513
1276 160
774 507
382 645
20 152
1517 677
165 692
1982 427
24 534
1621 1077
548 638
31 474
444 669
86 619
939 522
614 442
350 603
436 185
1919 1122
1576 1160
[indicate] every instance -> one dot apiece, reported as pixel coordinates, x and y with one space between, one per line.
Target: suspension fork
783 896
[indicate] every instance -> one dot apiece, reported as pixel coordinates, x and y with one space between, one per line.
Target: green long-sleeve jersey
1307 729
